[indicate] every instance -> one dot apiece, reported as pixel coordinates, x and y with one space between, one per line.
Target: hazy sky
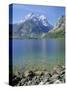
51 12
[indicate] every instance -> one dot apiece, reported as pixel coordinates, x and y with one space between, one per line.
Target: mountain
32 26
59 29
37 26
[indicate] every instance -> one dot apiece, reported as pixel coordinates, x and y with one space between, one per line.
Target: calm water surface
34 52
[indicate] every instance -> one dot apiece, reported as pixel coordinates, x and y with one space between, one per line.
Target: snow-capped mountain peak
35 21
42 17
29 16
36 18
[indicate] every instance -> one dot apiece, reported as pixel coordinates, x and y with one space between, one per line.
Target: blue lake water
35 51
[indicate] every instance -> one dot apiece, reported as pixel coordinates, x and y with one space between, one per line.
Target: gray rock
29 83
57 69
39 73
62 78
45 80
37 81
57 82
62 72
63 67
47 83
23 80
55 76
41 83
47 75
25 84
41 78
29 73
34 78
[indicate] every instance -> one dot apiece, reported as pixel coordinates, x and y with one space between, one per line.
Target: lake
39 53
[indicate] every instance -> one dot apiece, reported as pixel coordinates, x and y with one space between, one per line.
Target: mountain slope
37 26
33 26
59 29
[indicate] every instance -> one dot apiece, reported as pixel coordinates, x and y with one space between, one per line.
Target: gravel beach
39 77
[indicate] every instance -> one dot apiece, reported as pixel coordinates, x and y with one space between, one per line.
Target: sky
51 12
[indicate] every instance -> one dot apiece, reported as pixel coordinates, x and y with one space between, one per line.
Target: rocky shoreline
39 77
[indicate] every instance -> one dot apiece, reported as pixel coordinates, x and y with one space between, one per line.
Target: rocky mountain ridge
37 27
